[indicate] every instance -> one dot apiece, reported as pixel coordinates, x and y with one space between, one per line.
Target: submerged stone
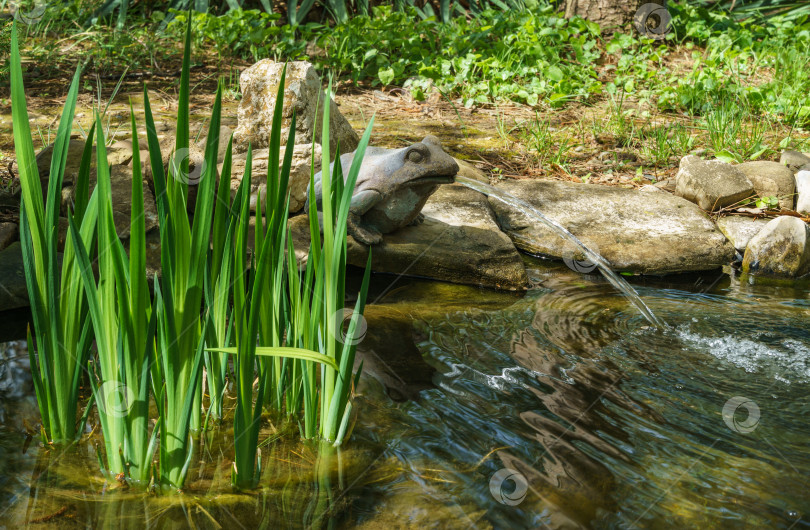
650 233
781 249
390 354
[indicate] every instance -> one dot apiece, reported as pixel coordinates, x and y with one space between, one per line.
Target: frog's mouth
432 179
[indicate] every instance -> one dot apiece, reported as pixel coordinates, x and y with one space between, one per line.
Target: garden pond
559 408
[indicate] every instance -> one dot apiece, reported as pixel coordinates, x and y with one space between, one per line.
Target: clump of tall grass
124 324
282 327
291 311
184 251
735 134
62 334
329 264
218 289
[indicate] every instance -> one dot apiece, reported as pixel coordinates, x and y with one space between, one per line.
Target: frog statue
392 187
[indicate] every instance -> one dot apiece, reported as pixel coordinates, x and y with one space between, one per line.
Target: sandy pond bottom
601 420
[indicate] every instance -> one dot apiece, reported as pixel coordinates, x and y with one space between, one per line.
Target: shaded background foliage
534 55
475 51
295 11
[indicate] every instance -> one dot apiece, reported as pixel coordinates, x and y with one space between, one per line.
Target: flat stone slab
650 233
740 230
458 242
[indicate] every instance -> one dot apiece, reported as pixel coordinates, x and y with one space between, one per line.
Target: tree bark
612 15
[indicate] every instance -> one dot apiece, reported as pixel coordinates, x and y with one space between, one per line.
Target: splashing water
617 281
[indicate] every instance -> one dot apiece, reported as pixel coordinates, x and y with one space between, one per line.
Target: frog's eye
414 156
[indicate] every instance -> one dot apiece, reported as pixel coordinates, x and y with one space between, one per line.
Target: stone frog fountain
392 187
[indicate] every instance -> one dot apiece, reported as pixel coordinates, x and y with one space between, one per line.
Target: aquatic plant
218 288
184 247
329 263
271 229
62 333
285 324
123 321
290 317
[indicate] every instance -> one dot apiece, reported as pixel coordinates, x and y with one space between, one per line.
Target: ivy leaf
554 73
726 157
386 75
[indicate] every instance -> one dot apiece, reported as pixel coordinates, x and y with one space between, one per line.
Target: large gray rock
458 242
121 184
771 179
711 184
172 160
303 95
795 160
652 233
781 248
225 133
119 153
803 191
740 230
299 173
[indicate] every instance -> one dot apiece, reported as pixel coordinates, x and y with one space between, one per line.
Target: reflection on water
603 421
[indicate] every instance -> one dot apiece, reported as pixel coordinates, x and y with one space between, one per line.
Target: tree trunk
612 15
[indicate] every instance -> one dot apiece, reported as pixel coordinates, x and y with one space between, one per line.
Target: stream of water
617 281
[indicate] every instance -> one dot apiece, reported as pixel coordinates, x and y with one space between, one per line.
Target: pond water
560 408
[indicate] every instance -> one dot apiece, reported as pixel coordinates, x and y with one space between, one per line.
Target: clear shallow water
610 422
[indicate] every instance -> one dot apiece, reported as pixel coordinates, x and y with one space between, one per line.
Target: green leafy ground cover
716 84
